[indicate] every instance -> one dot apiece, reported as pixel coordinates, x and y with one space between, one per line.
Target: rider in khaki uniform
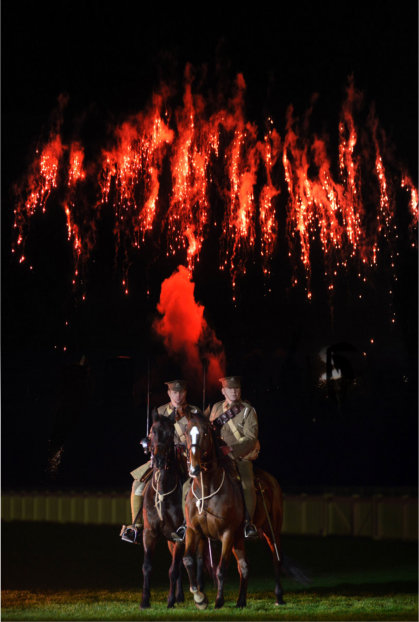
175 410
238 425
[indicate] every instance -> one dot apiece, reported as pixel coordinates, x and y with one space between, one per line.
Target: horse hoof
219 603
280 602
180 598
171 604
240 605
145 605
201 604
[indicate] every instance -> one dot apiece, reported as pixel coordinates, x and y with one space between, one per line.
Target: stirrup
250 531
179 534
131 533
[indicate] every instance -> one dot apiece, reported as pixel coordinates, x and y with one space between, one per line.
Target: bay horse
215 509
162 509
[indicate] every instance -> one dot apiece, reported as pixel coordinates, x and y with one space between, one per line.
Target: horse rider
237 425
176 410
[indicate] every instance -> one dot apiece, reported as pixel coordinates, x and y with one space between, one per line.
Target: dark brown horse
162 510
215 510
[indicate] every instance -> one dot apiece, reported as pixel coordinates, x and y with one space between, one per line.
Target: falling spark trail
214 153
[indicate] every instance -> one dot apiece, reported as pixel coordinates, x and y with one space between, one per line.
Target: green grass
57 572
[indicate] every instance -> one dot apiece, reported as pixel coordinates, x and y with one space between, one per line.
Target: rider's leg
140 475
245 468
137 500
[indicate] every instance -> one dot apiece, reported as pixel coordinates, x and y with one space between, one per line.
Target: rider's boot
250 530
137 502
132 533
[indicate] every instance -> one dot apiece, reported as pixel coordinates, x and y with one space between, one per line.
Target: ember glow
181 176
42 179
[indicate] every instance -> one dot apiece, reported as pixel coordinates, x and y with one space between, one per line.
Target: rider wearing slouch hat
237 423
176 410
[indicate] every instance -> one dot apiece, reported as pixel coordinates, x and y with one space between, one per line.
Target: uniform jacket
241 432
180 420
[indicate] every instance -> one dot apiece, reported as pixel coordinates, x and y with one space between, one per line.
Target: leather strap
234 429
179 431
228 414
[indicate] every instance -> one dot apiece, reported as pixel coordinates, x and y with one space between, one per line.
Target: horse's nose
194 470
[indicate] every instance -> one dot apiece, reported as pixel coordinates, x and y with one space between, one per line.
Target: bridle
205 455
167 462
204 465
165 456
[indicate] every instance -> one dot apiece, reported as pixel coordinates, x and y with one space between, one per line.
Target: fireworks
227 176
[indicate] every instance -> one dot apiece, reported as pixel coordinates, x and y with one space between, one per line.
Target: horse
215 509
162 510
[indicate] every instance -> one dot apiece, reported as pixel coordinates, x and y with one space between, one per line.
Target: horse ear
154 415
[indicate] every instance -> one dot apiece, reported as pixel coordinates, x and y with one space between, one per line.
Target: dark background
108 59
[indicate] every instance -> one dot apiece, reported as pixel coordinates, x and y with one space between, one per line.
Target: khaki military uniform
140 473
241 434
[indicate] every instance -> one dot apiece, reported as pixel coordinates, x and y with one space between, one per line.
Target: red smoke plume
185 331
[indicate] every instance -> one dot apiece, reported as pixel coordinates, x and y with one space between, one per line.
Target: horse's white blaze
194 434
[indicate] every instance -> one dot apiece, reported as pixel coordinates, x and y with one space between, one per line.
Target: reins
200 500
159 496
155 481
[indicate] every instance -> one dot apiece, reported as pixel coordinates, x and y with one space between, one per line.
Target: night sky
108 60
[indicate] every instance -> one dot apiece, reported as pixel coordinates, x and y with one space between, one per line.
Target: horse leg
180 597
176 550
226 546
149 542
191 544
200 564
243 568
275 551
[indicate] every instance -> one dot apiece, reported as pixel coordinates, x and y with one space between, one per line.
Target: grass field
74 572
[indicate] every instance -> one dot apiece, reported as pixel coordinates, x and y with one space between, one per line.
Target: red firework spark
219 150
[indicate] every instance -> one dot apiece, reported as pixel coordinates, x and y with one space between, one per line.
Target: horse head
199 444
161 442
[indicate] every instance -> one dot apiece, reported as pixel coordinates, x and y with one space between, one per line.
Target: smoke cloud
185 331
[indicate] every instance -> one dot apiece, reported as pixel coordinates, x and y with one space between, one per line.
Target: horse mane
167 424
157 417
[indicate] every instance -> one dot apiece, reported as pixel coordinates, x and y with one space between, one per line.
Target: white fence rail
378 516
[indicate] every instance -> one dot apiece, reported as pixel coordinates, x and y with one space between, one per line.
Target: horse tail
292 570
272 500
